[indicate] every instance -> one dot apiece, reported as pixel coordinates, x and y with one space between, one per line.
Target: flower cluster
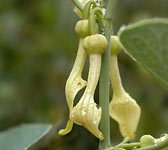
86 112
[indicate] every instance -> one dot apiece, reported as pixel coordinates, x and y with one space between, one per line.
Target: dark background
37 49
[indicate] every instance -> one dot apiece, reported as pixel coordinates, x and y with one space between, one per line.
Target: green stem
104 78
130 145
78 4
125 146
158 146
104 93
92 20
126 140
111 8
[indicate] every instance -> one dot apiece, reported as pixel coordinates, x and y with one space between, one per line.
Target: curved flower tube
122 108
87 113
77 11
99 3
74 83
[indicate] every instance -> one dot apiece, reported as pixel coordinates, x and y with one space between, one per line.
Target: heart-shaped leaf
147 43
21 137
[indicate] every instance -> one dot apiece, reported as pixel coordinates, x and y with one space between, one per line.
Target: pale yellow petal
87 114
74 83
67 129
126 112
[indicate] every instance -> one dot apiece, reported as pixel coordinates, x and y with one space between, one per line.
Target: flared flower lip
88 115
126 112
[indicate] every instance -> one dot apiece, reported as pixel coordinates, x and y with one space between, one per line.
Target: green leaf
147 43
21 137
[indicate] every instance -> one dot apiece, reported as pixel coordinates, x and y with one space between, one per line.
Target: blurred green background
37 49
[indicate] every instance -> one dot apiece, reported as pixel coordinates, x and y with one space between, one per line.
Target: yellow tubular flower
86 113
74 83
122 108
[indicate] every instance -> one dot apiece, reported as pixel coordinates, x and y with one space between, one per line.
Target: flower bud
162 138
147 140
